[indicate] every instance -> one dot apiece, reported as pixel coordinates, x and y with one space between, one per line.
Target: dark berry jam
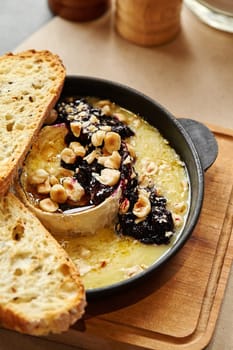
156 228
92 119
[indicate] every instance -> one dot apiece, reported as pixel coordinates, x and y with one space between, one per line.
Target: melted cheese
105 258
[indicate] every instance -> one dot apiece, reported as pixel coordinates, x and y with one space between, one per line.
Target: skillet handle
203 139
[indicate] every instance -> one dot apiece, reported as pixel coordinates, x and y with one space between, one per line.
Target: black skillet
192 140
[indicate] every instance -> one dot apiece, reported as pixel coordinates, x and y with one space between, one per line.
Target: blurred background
19 19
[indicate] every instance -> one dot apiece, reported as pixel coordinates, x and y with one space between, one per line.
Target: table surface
192 76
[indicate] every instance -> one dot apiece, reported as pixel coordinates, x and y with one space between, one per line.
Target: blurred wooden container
148 22
79 10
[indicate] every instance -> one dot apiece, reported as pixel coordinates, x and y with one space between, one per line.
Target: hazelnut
105 128
76 128
142 207
133 270
97 138
146 181
92 128
78 149
48 205
68 156
151 168
112 142
94 119
58 193
92 156
53 180
38 177
106 110
73 189
180 207
68 109
82 114
113 161
109 177
45 187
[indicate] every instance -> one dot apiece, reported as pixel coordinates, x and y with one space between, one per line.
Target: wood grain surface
178 306
148 22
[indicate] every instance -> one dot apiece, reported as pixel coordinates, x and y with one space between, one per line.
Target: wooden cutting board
179 305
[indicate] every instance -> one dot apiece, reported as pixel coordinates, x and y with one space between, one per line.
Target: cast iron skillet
193 141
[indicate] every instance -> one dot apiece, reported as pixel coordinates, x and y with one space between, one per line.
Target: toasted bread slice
30 84
40 287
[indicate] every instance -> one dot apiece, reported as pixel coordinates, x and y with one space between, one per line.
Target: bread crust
26 317
41 291
30 85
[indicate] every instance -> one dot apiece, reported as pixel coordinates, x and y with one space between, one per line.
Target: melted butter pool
105 258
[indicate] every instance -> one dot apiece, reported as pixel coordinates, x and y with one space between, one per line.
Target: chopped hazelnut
180 207
105 128
133 270
108 177
78 149
73 189
91 156
113 161
151 168
38 177
94 119
45 187
112 142
82 114
142 207
53 180
58 194
76 128
106 110
68 156
92 128
146 181
48 205
97 138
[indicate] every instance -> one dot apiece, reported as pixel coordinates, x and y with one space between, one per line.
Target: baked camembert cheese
91 171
